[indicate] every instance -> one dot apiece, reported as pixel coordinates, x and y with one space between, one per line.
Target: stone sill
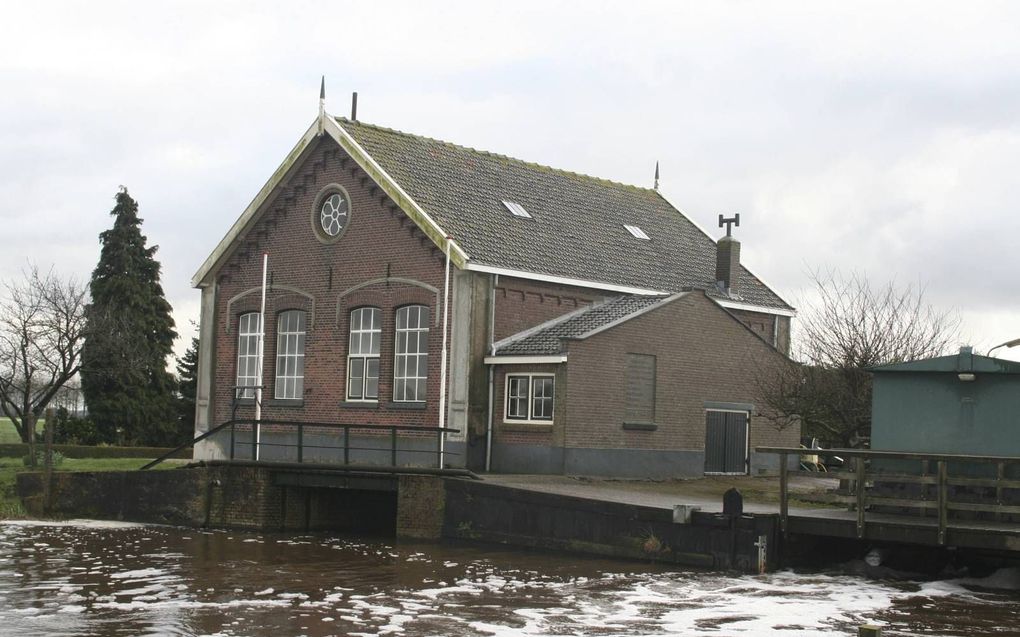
410 406
286 402
537 427
640 426
355 404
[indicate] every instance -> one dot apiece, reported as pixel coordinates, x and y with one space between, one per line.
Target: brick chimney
727 257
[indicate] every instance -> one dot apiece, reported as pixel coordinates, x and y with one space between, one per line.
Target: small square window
637 232
516 209
529 398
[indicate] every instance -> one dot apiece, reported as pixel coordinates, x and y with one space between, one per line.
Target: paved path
760 494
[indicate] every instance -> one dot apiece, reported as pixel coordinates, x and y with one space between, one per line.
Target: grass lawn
10 505
8 434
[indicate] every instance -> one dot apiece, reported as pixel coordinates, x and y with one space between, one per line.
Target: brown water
97 578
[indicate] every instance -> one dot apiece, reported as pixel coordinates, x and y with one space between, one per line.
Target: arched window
363 354
410 369
290 354
248 331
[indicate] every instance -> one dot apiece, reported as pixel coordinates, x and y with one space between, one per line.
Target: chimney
727 257
354 106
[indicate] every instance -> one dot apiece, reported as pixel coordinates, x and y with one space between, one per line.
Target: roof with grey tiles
546 338
577 226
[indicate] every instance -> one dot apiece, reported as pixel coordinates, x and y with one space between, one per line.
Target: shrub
40 459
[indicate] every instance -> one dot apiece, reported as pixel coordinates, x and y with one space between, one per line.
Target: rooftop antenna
322 104
656 186
729 222
354 106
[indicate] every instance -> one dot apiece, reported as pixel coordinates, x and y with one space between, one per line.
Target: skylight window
516 209
637 232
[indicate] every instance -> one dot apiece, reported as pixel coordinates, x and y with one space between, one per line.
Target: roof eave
237 231
326 124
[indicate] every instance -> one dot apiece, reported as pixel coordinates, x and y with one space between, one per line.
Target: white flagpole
442 359
262 340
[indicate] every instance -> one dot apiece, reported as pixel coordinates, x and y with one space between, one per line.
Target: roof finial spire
656 186
322 104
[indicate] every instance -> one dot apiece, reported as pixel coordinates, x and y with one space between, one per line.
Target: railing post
860 495
232 425
943 501
300 443
347 444
1000 475
439 449
784 493
393 446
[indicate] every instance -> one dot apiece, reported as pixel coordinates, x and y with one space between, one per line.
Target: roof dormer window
637 232
516 209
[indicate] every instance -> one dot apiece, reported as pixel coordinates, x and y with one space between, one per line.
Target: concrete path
761 494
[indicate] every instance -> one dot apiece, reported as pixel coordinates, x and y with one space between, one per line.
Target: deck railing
948 487
248 438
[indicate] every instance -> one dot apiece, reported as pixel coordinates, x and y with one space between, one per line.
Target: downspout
492 373
442 364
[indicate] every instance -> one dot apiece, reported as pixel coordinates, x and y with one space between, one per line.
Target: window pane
355 378
290 353
410 369
372 379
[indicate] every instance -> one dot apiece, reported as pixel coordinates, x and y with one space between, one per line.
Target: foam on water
81 578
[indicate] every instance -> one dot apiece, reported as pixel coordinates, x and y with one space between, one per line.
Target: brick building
592 327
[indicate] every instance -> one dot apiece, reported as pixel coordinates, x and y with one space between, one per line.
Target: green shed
966 403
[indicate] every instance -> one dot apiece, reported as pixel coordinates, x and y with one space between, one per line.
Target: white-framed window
363 354
411 358
290 354
248 332
530 397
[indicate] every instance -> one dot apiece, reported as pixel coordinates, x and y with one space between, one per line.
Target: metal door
726 442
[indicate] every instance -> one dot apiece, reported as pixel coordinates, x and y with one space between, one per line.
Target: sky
877 138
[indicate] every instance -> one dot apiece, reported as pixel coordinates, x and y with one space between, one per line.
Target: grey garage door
725 442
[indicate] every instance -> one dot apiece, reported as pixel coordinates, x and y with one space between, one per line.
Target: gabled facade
589 330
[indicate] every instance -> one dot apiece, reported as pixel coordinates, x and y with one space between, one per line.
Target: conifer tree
128 389
187 389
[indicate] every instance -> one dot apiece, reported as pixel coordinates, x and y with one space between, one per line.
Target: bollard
733 503
869 630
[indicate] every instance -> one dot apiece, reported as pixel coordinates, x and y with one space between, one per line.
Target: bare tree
42 329
850 328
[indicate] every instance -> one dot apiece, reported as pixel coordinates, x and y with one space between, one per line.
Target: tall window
410 369
363 355
248 329
290 354
530 397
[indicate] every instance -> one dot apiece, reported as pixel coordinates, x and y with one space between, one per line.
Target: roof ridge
524 162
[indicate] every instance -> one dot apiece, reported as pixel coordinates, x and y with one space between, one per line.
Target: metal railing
949 487
251 436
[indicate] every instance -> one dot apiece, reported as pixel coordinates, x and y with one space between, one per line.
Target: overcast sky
882 138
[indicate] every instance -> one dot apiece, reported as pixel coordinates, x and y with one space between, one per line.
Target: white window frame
637 232
365 358
248 333
290 355
531 420
399 381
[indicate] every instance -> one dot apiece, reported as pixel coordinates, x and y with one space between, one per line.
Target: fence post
393 446
943 501
860 495
784 493
300 443
50 425
232 426
347 444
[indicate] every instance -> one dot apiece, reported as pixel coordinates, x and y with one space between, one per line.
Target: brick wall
764 325
521 304
702 353
378 243
527 433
